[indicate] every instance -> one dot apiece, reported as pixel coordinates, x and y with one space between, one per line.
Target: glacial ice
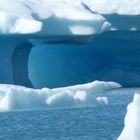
122 14
68 17
131 129
15 24
102 100
63 18
14 97
125 7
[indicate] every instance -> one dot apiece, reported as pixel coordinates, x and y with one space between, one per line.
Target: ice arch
111 56
14 51
64 61
20 64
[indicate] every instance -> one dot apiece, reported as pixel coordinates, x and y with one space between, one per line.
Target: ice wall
64 61
25 29
20 64
14 52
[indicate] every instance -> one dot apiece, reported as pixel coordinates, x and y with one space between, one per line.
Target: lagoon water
88 123
113 56
63 124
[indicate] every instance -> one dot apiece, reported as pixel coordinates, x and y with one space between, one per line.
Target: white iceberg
122 14
68 17
48 18
131 129
121 7
14 24
14 97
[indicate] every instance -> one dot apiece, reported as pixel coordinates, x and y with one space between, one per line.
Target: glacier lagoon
46 49
39 63
100 122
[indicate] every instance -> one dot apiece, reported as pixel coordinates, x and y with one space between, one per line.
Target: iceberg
120 7
13 98
123 15
68 17
131 129
14 24
26 17
28 25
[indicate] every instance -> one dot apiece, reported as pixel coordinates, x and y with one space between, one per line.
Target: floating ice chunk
21 98
102 100
131 129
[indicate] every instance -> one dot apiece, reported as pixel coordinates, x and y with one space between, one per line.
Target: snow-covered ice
14 97
68 17
122 14
15 24
121 7
49 18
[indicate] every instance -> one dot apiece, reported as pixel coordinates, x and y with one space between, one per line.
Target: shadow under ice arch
14 55
20 64
111 56
14 52
36 61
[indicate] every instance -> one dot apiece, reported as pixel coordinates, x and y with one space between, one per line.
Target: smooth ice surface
131 130
70 123
21 98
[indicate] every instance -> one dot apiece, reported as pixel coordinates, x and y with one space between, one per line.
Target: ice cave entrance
39 62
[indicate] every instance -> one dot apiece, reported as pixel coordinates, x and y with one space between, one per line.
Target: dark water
101 123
